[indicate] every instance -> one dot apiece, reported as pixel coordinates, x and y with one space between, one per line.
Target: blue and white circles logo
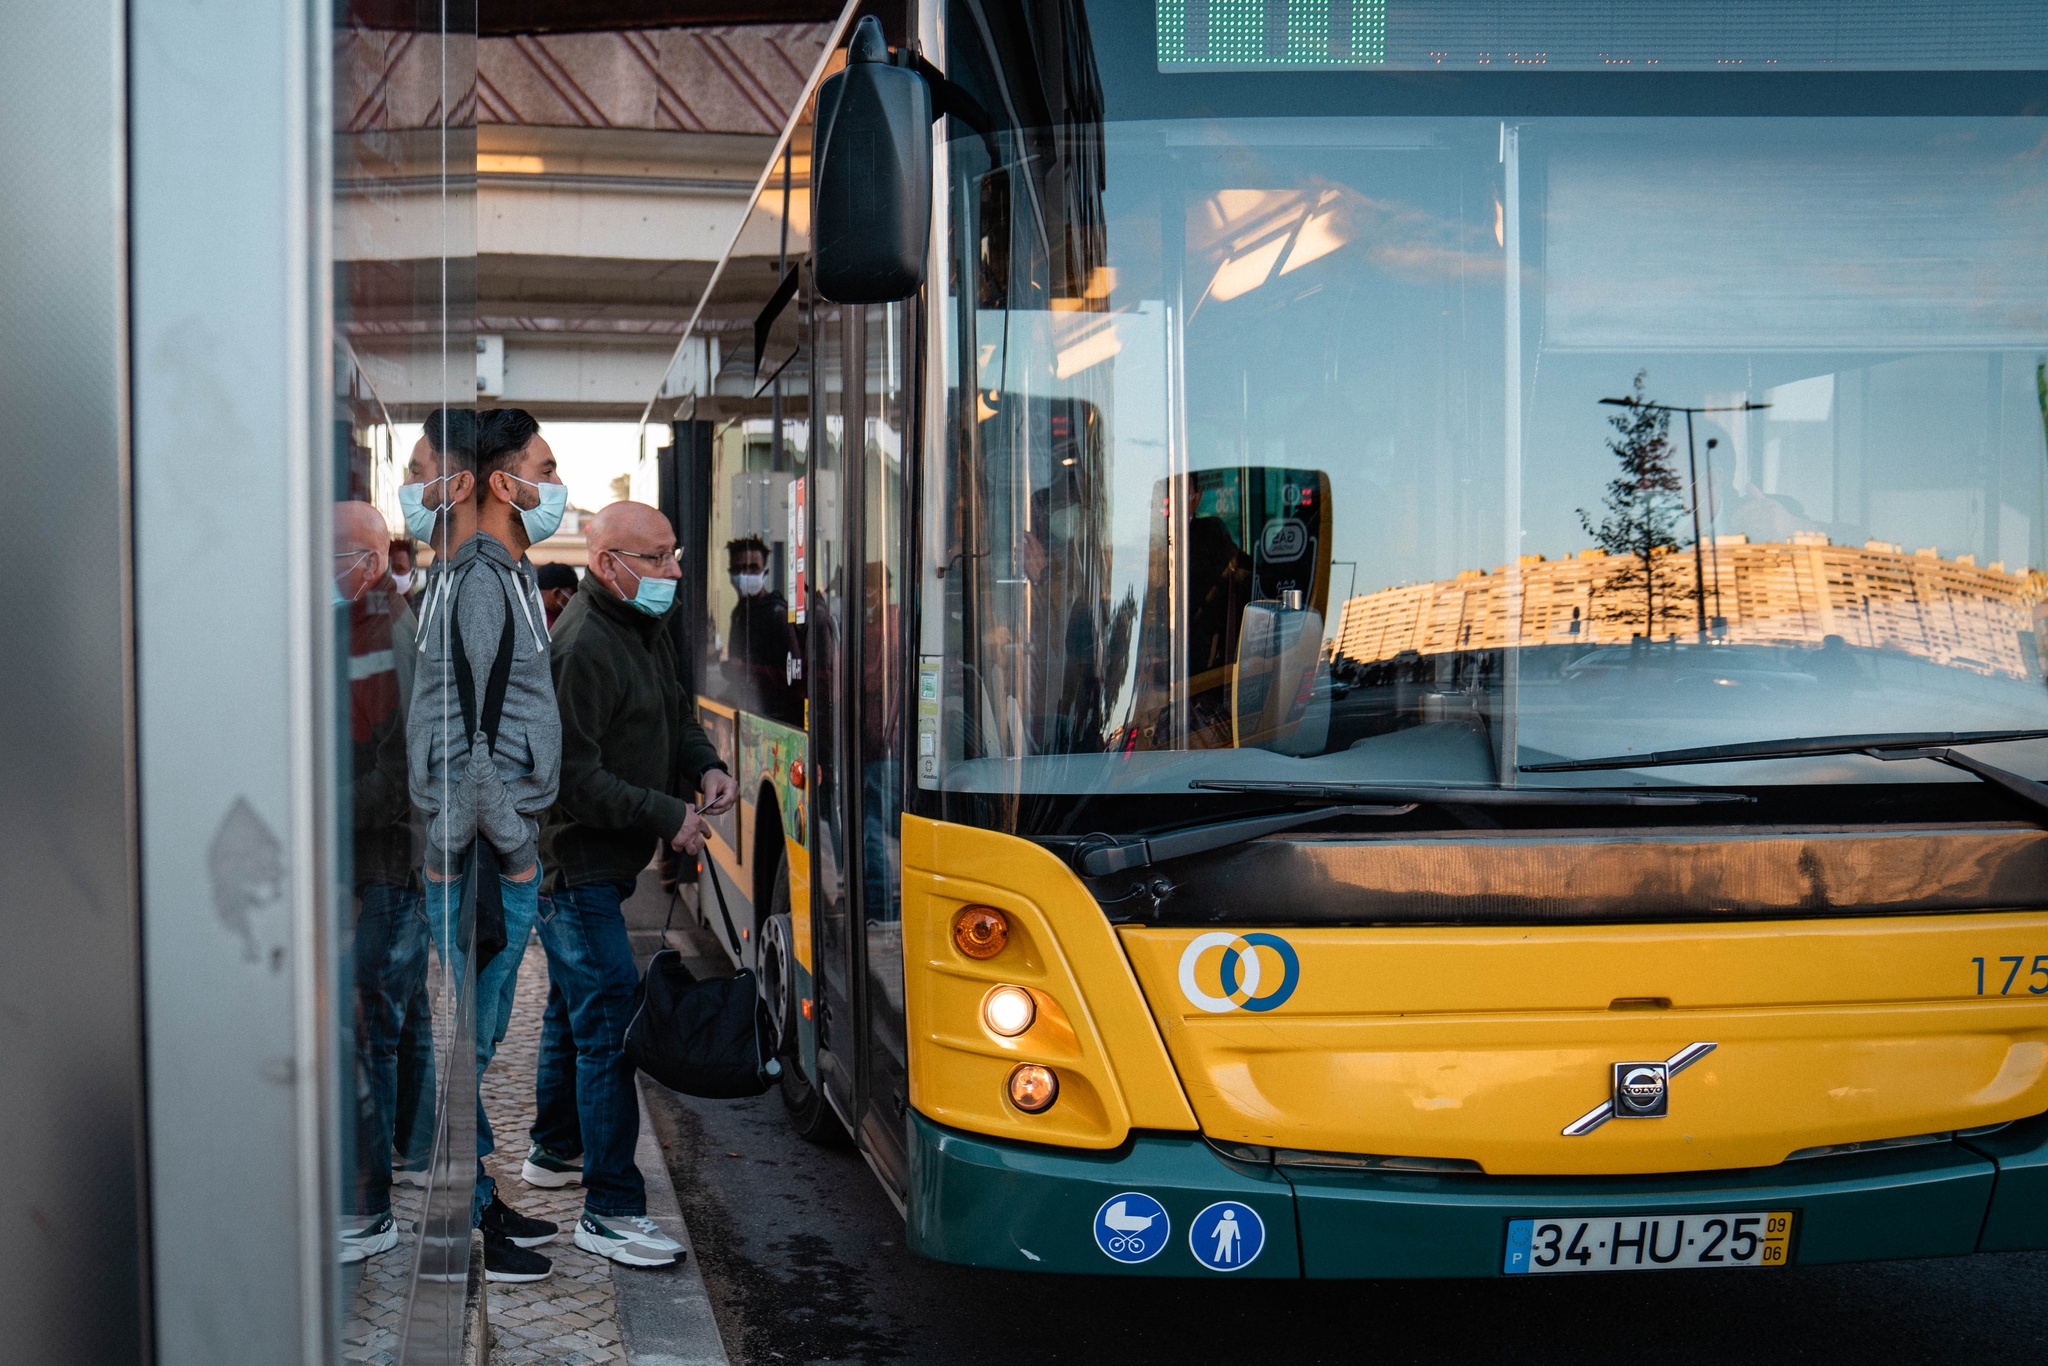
1247 963
1132 1228
1227 1236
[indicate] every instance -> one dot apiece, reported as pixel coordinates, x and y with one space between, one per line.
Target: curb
476 1318
665 1316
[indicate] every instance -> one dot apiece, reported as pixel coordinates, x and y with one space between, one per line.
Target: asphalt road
805 1261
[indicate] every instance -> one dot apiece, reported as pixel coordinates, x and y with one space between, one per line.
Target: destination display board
1647 35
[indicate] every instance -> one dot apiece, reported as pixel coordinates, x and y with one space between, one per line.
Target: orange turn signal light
980 931
796 774
1033 1088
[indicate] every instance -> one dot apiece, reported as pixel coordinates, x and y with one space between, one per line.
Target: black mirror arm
948 98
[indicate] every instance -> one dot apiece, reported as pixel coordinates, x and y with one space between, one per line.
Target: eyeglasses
674 556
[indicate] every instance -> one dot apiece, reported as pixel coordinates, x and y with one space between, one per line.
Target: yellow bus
1393 641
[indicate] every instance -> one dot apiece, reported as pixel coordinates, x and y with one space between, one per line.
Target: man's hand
690 839
718 790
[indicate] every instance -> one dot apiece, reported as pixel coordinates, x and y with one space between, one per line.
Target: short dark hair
452 434
555 576
740 545
501 434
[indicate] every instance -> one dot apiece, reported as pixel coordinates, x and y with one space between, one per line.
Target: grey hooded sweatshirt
464 789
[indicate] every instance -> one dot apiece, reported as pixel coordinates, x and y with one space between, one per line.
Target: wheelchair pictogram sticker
1227 1236
1132 1228
1256 972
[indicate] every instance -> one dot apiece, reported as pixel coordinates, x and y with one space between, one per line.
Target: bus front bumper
987 1202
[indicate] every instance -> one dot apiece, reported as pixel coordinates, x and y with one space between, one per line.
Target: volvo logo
1642 1090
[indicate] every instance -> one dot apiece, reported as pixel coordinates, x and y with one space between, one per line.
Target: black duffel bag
706 1038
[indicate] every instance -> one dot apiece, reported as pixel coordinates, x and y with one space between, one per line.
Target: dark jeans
412 1135
389 970
584 1097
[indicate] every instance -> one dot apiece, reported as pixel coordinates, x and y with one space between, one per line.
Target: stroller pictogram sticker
1132 1228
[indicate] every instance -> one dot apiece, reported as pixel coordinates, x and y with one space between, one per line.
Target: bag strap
732 935
494 686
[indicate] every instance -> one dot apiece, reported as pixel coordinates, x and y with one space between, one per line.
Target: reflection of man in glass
760 644
387 949
881 740
440 513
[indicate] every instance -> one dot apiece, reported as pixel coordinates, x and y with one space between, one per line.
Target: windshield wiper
1454 794
1887 745
1102 855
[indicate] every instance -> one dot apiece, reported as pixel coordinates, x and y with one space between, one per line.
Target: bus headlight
980 931
1008 1011
1033 1088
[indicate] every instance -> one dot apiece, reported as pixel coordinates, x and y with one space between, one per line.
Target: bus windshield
1290 444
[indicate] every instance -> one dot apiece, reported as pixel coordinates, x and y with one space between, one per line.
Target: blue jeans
582 1068
495 988
388 970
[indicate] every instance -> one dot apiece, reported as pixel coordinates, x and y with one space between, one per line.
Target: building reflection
1802 592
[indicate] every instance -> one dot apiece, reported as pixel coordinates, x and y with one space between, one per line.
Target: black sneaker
514 1227
505 1260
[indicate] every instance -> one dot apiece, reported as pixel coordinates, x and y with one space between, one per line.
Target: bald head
359 526
362 543
629 526
629 542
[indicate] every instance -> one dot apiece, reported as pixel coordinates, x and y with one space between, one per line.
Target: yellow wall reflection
1953 612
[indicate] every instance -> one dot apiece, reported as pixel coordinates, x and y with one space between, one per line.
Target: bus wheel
809 1115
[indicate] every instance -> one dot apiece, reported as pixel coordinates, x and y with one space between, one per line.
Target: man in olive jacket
631 752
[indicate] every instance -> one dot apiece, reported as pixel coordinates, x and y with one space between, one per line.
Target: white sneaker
632 1239
365 1235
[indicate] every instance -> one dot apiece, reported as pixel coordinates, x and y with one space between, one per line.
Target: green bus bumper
986 1202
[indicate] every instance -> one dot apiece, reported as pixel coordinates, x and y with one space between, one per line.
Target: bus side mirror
873 213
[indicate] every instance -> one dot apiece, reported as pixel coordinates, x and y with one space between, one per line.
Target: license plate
1656 1242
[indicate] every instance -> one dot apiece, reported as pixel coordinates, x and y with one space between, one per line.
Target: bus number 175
2037 975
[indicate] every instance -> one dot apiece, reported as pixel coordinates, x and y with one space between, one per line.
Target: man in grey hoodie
470 790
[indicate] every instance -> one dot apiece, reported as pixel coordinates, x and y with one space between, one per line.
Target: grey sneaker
631 1239
543 1168
366 1235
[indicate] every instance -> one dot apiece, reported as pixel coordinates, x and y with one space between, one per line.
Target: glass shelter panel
403 408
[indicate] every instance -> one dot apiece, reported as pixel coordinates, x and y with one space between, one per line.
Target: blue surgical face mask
419 518
655 596
543 517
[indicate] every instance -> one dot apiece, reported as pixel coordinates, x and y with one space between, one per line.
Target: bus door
856 729
829 712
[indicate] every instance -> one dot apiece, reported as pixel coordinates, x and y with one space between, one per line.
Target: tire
809 1114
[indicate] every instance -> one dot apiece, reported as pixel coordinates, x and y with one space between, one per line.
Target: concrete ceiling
613 167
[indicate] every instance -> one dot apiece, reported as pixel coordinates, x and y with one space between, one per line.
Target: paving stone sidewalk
572 1317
